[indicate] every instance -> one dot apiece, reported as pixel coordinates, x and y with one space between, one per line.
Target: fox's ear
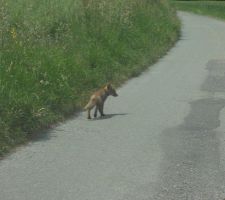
109 86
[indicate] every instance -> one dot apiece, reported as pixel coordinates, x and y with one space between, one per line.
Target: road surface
164 137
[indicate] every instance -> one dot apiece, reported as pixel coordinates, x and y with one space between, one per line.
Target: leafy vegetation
209 8
53 53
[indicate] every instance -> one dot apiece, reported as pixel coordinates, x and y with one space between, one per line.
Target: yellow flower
13 32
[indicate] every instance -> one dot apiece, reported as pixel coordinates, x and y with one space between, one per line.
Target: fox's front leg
101 110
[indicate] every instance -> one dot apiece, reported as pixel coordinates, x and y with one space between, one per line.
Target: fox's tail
90 105
87 106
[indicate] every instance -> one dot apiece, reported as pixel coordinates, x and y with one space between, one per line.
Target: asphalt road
164 137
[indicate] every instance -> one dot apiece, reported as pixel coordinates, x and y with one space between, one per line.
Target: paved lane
163 140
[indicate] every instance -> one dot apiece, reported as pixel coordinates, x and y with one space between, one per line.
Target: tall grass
209 8
54 52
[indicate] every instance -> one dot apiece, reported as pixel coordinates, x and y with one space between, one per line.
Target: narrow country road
163 140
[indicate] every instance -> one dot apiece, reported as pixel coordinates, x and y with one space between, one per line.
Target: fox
97 100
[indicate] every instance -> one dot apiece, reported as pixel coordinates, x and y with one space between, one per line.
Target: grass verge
210 8
54 53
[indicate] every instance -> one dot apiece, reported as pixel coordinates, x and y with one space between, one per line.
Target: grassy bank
53 53
209 8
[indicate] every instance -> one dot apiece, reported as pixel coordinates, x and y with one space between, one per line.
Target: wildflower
13 33
41 81
40 112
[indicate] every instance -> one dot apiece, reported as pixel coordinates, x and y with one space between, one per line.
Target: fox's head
110 90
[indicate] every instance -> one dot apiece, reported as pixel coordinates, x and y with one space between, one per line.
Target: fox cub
98 98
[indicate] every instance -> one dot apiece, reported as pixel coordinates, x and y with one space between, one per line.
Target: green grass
209 8
53 53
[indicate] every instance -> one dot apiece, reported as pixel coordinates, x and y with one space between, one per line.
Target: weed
54 53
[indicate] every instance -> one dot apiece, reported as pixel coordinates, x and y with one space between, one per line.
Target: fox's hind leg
91 104
89 114
96 111
89 111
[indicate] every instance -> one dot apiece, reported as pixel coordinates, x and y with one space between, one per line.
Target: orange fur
97 100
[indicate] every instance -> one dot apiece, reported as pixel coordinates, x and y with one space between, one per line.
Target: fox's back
99 95
100 92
